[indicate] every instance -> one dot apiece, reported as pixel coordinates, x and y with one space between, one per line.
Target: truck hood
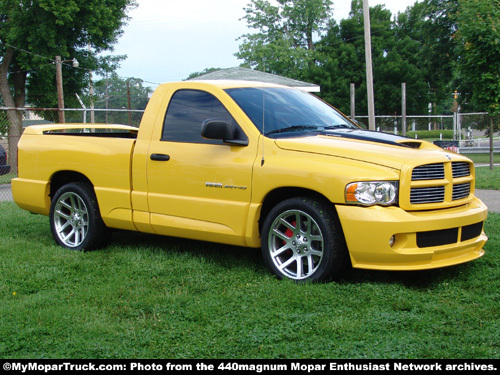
367 146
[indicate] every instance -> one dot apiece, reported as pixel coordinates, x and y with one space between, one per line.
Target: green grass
159 297
483 158
487 178
6 178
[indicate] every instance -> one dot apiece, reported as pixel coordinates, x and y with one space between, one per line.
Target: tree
284 42
116 92
334 56
33 32
478 43
433 25
341 61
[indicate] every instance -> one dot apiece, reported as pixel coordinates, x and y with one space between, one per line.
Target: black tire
315 250
75 220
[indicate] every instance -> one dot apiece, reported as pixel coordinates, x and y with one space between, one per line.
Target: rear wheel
302 240
75 220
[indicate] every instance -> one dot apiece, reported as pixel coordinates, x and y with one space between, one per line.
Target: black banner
23 366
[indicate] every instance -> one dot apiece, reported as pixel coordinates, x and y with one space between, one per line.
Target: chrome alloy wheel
71 219
296 244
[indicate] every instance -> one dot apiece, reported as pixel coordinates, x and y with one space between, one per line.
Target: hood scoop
411 144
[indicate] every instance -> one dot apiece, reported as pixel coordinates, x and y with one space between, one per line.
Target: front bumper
422 239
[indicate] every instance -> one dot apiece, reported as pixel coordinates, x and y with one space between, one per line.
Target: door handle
160 157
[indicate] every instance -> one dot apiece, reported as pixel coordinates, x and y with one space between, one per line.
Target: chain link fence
468 131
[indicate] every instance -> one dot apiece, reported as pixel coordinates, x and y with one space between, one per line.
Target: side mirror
218 129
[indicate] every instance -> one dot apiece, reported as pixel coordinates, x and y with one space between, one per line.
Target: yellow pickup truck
256 165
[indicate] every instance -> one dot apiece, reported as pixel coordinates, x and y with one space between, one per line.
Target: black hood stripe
370 136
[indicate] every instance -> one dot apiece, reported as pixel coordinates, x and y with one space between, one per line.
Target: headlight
368 193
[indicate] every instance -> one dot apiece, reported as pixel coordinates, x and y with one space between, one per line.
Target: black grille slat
428 172
471 231
460 169
461 191
448 236
437 237
433 194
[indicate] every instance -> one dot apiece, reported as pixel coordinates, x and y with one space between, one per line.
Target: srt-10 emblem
218 185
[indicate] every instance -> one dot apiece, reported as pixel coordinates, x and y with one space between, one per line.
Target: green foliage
335 59
283 43
478 43
432 24
114 92
36 31
342 61
426 46
159 297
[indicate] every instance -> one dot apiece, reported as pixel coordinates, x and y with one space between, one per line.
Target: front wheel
75 220
302 240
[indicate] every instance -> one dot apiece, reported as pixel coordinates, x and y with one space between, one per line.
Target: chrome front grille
461 191
460 169
440 183
421 195
428 172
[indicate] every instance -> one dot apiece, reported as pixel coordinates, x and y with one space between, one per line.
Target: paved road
490 197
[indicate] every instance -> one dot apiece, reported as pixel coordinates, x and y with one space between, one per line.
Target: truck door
199 188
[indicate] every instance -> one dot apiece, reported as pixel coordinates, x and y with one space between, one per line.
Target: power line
53 61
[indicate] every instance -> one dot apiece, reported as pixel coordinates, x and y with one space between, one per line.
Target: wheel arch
279 195
62 178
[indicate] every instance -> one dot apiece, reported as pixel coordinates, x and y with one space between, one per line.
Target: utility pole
353 101
92 116
403 108
369 70
59 82
60 94
128 102
107 97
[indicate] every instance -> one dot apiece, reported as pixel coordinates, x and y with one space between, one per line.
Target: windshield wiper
294 128
340 126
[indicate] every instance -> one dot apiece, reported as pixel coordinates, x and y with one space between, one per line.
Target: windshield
279 111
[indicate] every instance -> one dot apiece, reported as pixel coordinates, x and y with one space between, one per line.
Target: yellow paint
216 192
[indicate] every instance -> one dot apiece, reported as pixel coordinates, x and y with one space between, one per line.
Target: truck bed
100 153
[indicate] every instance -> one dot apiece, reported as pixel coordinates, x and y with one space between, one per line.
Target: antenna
263 124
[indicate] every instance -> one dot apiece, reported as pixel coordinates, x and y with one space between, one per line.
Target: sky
167 40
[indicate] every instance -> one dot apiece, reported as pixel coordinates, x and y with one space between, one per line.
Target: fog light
392 240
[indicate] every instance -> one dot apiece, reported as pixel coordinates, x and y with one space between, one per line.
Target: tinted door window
187 111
